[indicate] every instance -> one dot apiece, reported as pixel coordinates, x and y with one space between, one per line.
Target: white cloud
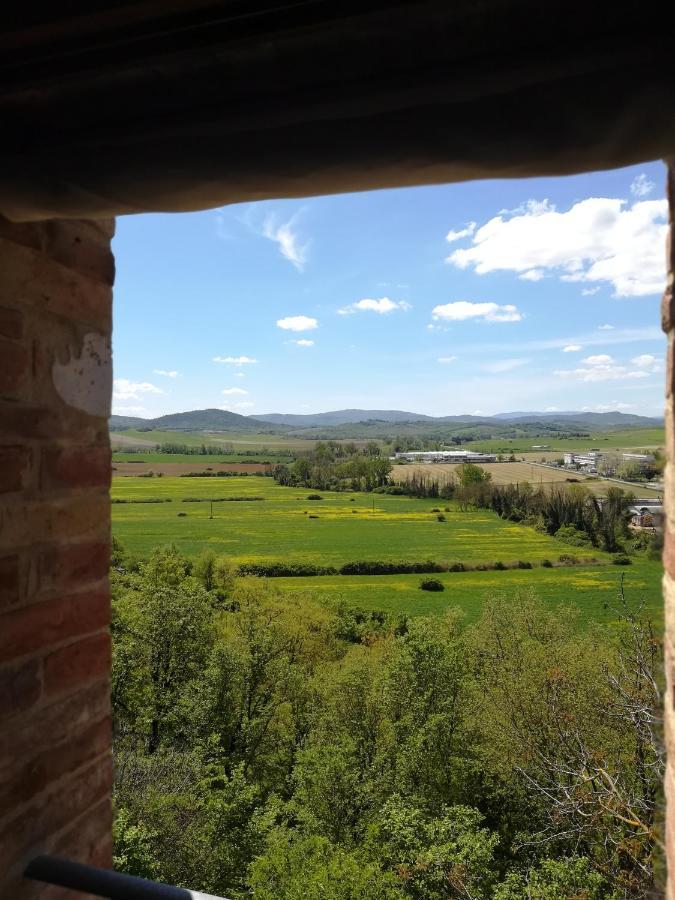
572 348
297 323
287 239
381 306
123 389
446 359
647 362
239 375
602 367
605 328
461 233
461 310
641 186
504 365
235 360
166 374
303 342
229 392
588 292
532 275
601 359
597 240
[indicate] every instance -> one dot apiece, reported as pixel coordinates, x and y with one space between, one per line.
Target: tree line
332 465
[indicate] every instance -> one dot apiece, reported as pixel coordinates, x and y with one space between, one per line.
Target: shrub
446 508
522 564
314 497
432 584
620 559
499 565
547 564
441 518
312 517
181 514
457 567
380 567
435 509
284 570
567 559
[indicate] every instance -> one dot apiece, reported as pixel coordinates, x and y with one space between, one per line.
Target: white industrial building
445 456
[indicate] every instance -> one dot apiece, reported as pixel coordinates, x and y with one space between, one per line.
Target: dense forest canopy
277 747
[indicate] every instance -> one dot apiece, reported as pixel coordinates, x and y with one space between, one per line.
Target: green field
357 526
631 439
371 526
593 589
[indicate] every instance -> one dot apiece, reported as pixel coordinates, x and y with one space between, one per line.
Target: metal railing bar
105 882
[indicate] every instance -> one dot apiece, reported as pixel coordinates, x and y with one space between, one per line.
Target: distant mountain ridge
216 420
195 420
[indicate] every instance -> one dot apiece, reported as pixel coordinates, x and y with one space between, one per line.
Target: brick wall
55 383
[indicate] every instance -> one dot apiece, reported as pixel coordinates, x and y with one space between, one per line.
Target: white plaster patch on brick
85 381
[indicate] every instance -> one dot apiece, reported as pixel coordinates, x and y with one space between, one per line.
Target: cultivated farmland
268 523
517 473
343 527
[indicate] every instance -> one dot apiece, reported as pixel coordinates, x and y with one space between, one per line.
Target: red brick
40 423
77 664
36 773
28 828
15 367
89 839
43 625
11 324
20 688
10 581
36 521
76 467
14 465
52 288
75 565
57 720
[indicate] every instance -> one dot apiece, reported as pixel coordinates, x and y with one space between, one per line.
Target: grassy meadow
357 526
278 527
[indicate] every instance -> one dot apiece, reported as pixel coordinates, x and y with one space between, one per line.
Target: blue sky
481 297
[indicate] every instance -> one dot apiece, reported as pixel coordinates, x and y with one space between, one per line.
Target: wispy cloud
461 310
446 359
302 342
605 328
165 373
235 360
382 306
641 186
571 348
234 392
457 235
297 323
286 237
